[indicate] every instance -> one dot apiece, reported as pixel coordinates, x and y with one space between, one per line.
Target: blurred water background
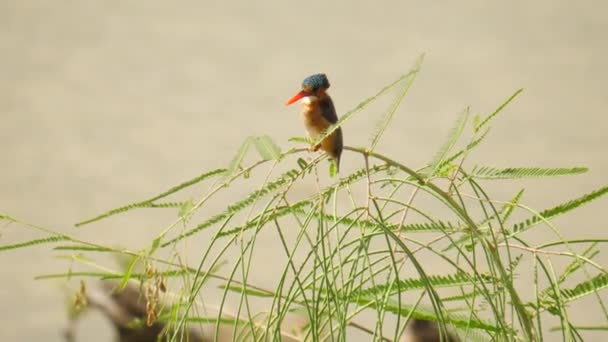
105 103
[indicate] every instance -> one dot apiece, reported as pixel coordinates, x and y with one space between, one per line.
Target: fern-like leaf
51 239
299 208
361 106
83 248
267 148
242 289
388 117
304 140
214 321
166 205
270 187
69 275
576 263
558 210
149 203
453 136
424 227
510 207
590 286
488 172
263 218
402 285
498 110
585 288
114 276
437 226
404 310
237 160
448 161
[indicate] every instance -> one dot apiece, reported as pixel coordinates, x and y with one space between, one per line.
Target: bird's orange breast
314 122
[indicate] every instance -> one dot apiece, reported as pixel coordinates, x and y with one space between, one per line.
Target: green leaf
488 172
51 239
149 202
582 289
267 149
587 287
558 210
361 106
85 248
185 209
476 121
305 140
299 208
588 328
403 85
426 227
498 110
302 164
576 264
235 164
215 320
6 217
127 275
268 216
270 187
453 136
404 310
506 211
333 168
166 205
447 162
402 285
510 207
155 245
246 290
70 274
112 276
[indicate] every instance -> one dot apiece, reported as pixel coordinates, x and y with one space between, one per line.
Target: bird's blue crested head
315 82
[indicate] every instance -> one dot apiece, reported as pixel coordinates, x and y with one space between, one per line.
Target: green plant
338 262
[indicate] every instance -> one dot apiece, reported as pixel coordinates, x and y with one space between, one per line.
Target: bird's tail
337 160
338 147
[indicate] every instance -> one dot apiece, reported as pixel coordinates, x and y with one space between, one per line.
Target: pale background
104 103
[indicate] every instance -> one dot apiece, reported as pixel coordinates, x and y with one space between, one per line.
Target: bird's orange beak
297 96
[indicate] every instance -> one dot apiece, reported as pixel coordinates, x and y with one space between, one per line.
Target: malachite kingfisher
318 113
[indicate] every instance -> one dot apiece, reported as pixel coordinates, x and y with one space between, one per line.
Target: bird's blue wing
328 112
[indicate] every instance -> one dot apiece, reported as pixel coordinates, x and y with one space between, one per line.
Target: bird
318 113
